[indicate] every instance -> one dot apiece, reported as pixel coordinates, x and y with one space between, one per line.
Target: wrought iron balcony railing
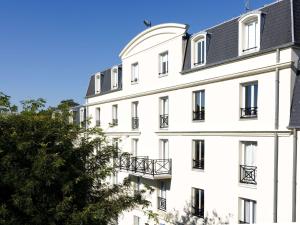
164 121
198 164
199 115
197 212
135 122
250 112
144 165
162 203
114 122
97 123
248 174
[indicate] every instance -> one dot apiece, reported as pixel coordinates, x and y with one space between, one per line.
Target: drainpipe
275 197
294 191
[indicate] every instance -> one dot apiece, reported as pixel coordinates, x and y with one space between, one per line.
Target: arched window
198 49
249 33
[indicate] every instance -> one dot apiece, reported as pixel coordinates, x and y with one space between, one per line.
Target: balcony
250 112
164 121
161 203
199 115
135 123
143 166
198 164
197 212
248 174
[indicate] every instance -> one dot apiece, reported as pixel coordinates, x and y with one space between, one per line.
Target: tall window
163 63
136 220
247 211
114 115
164 149
134 73
135 118
162 198
135 147
97 83
249 100
198 154
164 112
114 78
248 167
97 117
249 33
200 52
198 202
199 105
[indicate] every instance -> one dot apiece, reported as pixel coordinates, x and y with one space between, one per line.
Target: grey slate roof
296 7
105 83
222 40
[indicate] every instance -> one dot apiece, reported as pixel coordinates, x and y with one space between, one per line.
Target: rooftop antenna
247 5
147 23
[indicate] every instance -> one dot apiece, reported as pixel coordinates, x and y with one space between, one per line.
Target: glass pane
202 100
197 101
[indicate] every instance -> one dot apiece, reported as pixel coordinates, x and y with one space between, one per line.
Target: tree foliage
54 173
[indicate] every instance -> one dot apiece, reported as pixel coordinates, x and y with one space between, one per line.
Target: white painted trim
141 35
123 133
269 133
201 82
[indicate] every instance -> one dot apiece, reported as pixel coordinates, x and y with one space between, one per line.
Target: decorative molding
121 133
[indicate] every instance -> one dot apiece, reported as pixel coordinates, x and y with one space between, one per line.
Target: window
248 168
137 185
136 220
114 115
135 118
97 83
247 211
83 117
249 33
249 100
199 105
162 198
198 55
134 73
97 117
198 202
164 149
114 78
164 112
163 64
134 148
198 154
115 178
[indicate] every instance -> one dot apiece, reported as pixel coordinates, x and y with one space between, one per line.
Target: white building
207 117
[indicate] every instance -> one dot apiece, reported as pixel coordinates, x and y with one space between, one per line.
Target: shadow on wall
187 217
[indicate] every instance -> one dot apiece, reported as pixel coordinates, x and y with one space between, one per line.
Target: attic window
249 33
114 78
97 83
198 47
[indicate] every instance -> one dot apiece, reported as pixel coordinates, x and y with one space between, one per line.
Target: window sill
162 75
198 121
198 169
198 65
248 118
134 82
252 186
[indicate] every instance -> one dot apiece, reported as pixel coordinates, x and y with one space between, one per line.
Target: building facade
209 120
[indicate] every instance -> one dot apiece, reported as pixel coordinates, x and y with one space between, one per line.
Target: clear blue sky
50 48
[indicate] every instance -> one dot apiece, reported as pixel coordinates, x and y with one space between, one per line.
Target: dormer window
97 83
249 33
114 78
198 44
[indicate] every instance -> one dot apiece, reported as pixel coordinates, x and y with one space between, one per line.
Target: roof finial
247 5
147 23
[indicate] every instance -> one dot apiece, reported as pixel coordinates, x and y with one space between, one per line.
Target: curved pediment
153 36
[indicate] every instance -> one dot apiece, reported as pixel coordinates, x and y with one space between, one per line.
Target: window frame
242 210
243 22
201 154
135 73
134 115
97 79
201 203
114 78
115 115
97 116
164 116
199 37
247 112
160 64
201 111
248 171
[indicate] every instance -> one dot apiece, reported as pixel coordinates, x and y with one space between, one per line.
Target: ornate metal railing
164 121
199 115
249 112
162 203
248 174
197 212
198 164
114 122
135 122
142 164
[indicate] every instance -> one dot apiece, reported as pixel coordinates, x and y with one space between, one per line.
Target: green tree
53 173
